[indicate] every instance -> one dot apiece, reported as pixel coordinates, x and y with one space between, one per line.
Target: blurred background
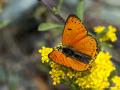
23 32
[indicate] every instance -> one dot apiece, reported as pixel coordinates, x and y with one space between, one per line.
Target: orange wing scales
87 45
73 28
60 58
75 36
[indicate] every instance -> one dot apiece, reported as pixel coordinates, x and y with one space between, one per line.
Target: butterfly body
78 47
73 54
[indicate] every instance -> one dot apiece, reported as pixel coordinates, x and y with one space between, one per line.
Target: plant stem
80 9
50 6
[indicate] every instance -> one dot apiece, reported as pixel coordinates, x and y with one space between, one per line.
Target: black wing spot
69 29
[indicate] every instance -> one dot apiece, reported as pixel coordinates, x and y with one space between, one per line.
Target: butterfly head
59 48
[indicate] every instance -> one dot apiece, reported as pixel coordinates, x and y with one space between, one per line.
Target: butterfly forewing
73 31
75 36
87 46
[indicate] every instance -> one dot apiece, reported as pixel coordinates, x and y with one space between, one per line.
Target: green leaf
80 9
74 87
3 24
48 26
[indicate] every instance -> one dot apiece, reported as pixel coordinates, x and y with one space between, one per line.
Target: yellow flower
99 29
70 74
44 54
56 72
115 88
109 34
57 75
98 78
116 81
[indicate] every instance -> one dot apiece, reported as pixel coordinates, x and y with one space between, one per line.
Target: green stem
51 7
80 9
59 6
71 84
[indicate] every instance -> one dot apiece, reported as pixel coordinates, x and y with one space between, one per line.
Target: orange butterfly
78 47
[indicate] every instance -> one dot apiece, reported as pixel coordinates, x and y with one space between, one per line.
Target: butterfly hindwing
87 46
60 58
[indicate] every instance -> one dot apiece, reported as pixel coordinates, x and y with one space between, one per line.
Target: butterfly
78 47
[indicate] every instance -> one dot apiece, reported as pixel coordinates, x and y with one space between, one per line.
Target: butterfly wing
76 37
74 30
87 46
60 58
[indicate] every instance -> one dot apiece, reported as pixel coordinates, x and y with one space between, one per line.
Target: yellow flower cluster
94 78
98 78
70 74
44 54
99 29
56 72
116 81
112 33
57 75
106 33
